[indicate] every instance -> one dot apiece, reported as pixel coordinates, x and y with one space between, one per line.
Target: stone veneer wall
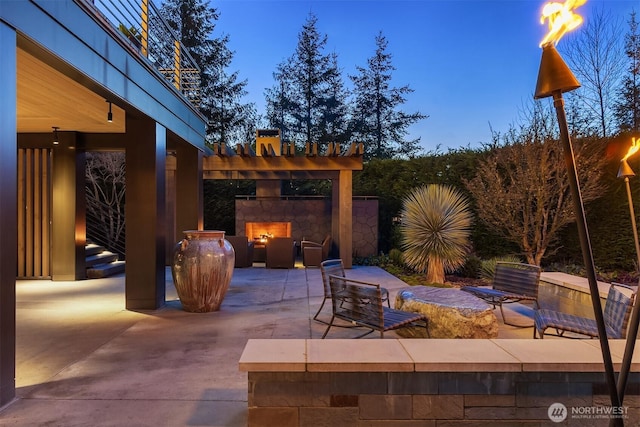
431 382
311 219
424 399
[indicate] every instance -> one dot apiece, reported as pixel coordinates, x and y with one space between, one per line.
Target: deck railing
140 25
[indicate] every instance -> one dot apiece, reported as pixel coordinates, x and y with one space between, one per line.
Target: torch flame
561 19
635 146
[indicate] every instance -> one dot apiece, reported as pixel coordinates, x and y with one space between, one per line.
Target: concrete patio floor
83 360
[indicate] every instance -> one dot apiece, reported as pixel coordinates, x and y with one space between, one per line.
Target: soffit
47 98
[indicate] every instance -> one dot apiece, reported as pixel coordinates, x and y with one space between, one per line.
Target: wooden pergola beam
281 163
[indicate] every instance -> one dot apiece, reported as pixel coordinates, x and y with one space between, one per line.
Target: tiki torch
555 78
626 172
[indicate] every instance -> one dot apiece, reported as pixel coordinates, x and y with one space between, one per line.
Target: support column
68 210
146 146
342 216
8 213
189 190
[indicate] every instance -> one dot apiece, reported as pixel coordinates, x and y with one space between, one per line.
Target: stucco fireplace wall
311 219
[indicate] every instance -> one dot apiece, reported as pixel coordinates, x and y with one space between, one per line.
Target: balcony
148 35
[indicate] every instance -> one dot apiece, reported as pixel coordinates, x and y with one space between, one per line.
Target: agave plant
436 224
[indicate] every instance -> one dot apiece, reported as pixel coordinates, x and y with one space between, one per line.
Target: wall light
109 114
56 140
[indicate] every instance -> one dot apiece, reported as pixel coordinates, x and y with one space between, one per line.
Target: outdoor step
105 257
93 249
105 270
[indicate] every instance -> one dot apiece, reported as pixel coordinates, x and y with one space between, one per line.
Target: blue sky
473 64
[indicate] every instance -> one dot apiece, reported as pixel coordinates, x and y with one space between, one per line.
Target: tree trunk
435 271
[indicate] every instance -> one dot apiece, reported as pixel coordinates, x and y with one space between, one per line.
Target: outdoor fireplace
304 218
263 230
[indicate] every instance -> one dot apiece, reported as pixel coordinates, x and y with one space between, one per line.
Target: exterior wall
424 399
34 218
311 219
365 227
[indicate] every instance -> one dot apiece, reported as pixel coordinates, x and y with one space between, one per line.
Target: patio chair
617 310
243 249
512 282
280 252
313 253
335 267
361 304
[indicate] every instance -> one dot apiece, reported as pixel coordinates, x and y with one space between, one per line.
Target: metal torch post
632 331
585 243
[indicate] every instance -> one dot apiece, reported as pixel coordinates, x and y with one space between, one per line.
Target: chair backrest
617 310
517 278
356 300
243 249
326 247
280 252
330 267
237 240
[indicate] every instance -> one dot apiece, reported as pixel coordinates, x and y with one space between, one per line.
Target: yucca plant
436 224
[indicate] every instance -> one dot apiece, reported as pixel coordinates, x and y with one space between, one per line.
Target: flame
561 19
635 146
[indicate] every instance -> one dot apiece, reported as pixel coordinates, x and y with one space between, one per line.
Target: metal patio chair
617 310
335 267
512 282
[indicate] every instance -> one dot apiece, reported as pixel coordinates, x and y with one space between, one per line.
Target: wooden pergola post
342 215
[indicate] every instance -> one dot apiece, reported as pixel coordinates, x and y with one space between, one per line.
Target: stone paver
82 359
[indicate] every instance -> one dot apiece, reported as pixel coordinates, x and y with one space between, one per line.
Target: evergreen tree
377 121
193 21
227 116
335 123
279 103
307 98
627 109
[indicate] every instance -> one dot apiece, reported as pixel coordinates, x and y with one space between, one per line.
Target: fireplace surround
304 218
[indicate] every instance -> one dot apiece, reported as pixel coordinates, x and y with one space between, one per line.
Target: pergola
273 161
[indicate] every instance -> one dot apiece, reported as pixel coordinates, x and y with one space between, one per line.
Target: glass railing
142 28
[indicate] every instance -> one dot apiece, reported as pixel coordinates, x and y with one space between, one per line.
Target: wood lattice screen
34 213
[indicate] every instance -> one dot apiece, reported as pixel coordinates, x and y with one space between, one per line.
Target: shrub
396 256
471 267
435 230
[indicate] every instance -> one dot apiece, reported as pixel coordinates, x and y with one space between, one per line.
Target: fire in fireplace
264 230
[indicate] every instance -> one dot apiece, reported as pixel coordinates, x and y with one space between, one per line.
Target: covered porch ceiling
46 98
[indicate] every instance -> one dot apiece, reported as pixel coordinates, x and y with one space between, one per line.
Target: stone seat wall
427 382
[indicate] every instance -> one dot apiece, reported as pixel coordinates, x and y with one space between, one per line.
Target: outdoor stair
101 263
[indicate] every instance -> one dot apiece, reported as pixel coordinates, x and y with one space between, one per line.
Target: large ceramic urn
202 268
